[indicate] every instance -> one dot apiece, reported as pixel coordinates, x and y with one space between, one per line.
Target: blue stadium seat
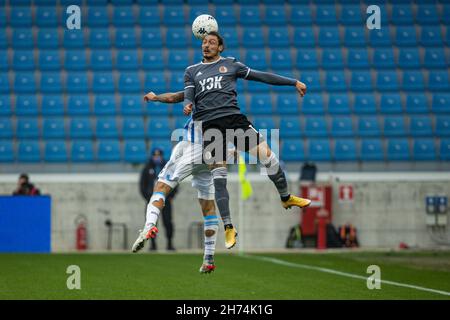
176 38
109 151
304 37
440 103
75 60
431 36
335 80
196 10
51 82
361 81
129 82
23 60
80 128
82 151
354 37
368 126
387 81
49 60
76 82
106 127
22 38
292 150
126 60
424 150
55 151
332 58
225 15
319 150
394 126
357 58
409 58
249 15
290 127
152 59
2 16
99 38
427 14
307 59
280 59
372 150
151 38
27 128
78 105
123 16
74 39
315 127
420 126
413 81
53 128
125 38
253 37
443 126
133 127
341 127
103 82
326 14
46 16
97 16
52 105
25 82
406 36
329 37
351 14
173 15
4 83
264 124
104 105
398 150
135 151
6 151
158 127
275 15
230 36
301 15
178 59
26 105
5 105
256 58
287 104
131 105
380 37
345 150
155 81
339 104
416 103
391 103
20 17
438 80
402 14
313 104
383 58
311 80
47 38
149 15
3 40
29 151
6 128
261 104
434 58
278 37
255 86
444 149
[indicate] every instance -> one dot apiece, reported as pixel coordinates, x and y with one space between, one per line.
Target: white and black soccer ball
204 24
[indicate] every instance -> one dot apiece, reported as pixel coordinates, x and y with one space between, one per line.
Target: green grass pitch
176 276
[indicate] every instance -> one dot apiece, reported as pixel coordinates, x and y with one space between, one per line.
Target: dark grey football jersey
215 87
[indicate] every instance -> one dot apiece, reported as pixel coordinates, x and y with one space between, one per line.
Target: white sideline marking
344 274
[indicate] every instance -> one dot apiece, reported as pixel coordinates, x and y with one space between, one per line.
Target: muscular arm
169 97
270 78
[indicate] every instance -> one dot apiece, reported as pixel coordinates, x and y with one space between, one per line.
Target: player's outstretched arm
275 79
169 97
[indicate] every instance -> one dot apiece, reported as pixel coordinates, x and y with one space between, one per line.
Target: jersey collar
221 58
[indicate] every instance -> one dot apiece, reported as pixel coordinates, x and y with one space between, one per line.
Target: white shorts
186 160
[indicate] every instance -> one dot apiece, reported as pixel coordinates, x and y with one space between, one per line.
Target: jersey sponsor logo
223 69
211 83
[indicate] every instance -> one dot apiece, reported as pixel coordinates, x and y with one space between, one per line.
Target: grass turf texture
176 276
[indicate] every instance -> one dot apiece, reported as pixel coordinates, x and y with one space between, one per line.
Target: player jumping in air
210 94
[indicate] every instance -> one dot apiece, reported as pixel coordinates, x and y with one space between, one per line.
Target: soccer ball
204 24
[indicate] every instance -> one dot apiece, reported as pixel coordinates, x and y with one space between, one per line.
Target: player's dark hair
219 38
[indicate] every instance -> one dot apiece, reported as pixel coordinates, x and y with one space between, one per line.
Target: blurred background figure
149 176
25 188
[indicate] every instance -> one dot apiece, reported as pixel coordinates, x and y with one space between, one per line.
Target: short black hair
24 176
219 37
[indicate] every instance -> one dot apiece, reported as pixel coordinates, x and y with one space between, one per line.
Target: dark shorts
235 129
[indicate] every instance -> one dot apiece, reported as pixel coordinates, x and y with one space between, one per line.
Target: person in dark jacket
25 188
148 178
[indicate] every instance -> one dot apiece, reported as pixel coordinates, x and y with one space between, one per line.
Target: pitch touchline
344 274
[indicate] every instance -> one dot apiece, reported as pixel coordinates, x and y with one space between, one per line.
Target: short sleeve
188 80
